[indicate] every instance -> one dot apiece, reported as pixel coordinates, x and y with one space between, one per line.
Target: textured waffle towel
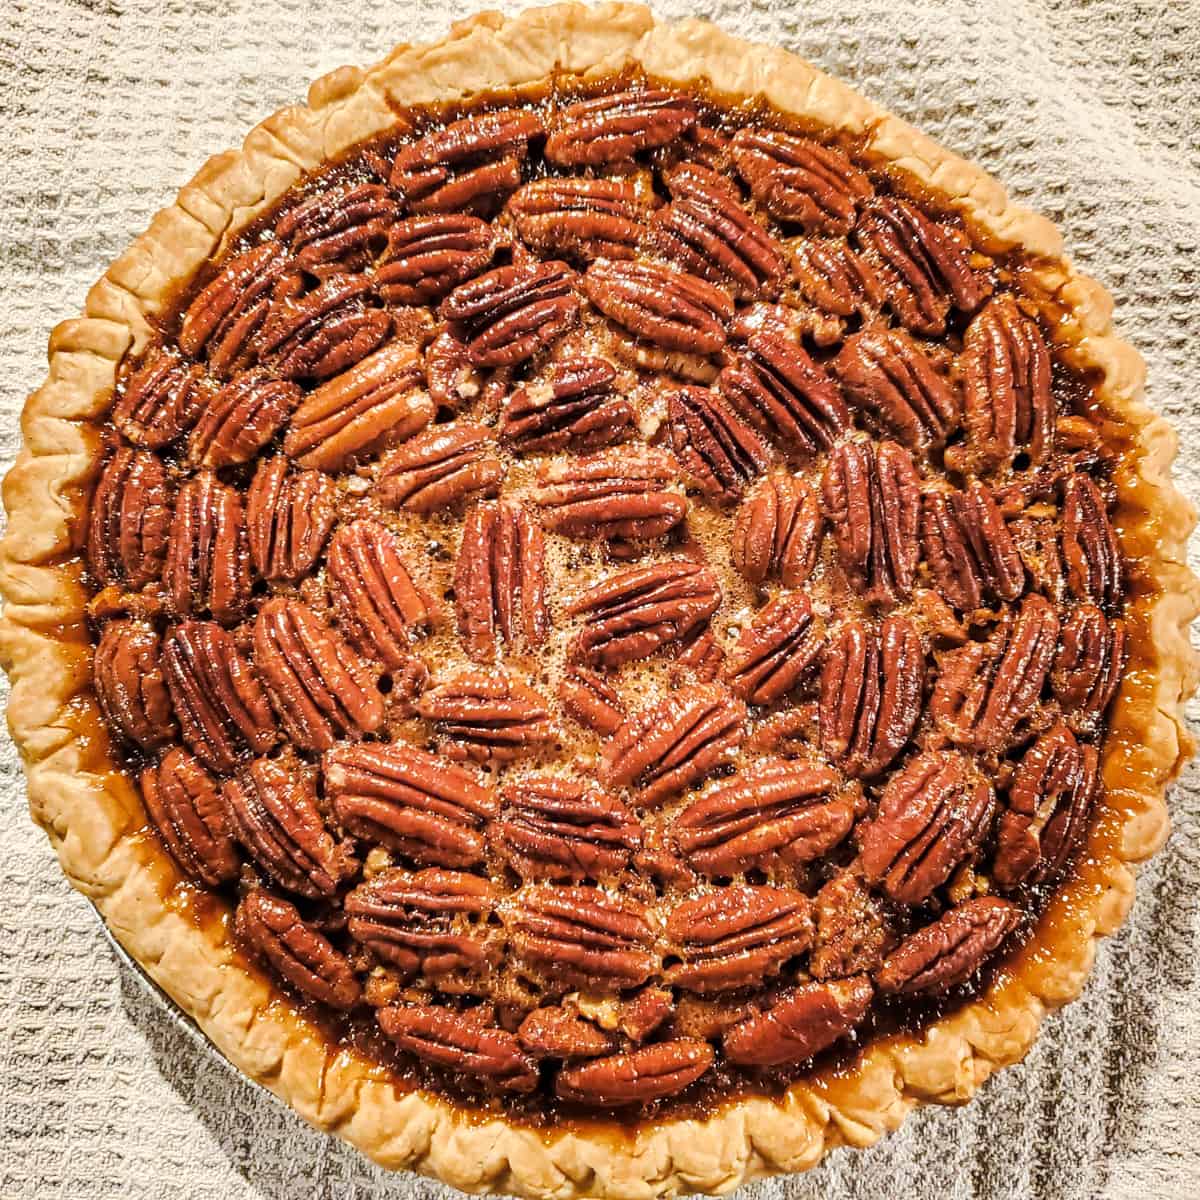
1086 110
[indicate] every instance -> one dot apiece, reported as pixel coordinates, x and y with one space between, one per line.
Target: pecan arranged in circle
275 931
320 688
1089 545
885 373
1049 803
377 402
581 218
776 386
923 265
985 689
621 494
1089 663
777 531
288 517
430 922
161 401
638 611
271 809
799 1025
129 520
871 497
737 936
487 716
509 314
552 827
573 408
222 709
932 816
440 467
799 180
410 800
790 810
713 444
377 602
208 562
871 693
639 1076
590 700
970 551
775 650
942 955
582 937
500 580
428 256
130 685
675 742
335 230
610 128
559 1031
466 165
839 285
182 800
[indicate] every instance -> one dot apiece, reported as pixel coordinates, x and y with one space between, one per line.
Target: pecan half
838 283
182 800
799 180
737 936
1089 545
288 517
638 611
320 688
884 373
706 231
777 531
800 1024
208 563
129 519
852 935
1007 403
509 314
792 810
871 496
466 165
271 809
713 444
161 401
986 689
130 686
582 937
610 128
1089 664
702 655
500 580
378 605
222 709
660 305
430 922
324 331
405 798
786 396
377 402
1048 804
971 554
775 650
620 493
221 321
590 700
335 229
871 694
638 1076
552 827
428 256
573 408
923 265
948 952
488 716
440 467
580 219
275 932
932 816
669 745
561 1032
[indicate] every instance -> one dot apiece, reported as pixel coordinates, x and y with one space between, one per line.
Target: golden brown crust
95 819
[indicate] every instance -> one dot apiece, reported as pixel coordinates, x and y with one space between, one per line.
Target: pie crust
95 818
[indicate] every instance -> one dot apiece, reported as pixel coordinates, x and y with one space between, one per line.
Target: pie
602 614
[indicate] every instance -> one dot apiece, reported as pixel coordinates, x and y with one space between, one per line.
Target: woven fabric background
1087 111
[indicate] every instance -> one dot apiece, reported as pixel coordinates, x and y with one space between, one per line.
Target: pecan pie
590 579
